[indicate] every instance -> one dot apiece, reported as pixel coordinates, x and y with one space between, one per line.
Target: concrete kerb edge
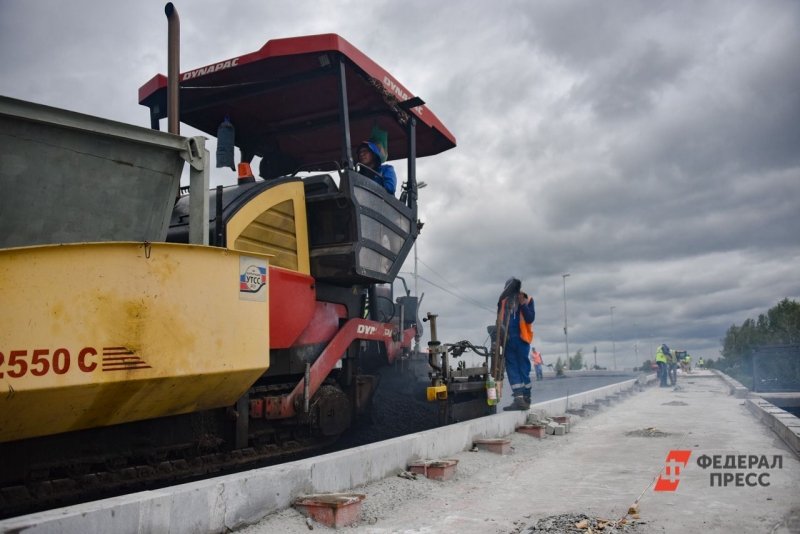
786 425
735 387
239 499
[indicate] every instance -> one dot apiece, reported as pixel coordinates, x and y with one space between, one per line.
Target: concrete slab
784 400
600 471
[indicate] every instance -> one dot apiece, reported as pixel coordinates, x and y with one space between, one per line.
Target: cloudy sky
650 149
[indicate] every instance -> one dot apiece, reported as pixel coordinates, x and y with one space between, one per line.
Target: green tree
779 326
576 362
559 364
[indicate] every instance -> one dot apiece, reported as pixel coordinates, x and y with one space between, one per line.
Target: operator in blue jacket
370 155
518 346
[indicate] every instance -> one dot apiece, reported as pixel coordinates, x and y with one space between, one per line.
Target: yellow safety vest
660 356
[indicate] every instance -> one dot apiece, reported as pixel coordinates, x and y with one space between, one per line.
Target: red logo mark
121 359
671 477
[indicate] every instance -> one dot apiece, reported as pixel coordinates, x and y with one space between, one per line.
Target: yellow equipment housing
104 333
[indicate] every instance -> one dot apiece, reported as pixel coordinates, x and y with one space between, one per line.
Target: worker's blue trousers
663 369
518 365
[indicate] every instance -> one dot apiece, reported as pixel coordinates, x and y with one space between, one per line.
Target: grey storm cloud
647 148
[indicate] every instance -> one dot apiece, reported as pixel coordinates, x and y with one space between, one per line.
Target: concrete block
561 419
335 510
551 428
560 430
580 412
441 470
537 431
497 446
604 402
592 406
536 417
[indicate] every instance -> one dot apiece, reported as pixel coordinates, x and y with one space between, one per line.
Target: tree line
779 326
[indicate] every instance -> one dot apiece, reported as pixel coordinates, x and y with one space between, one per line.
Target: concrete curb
735 388
786 425
236 500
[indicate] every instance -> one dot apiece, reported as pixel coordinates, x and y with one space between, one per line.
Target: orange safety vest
537 358
525 328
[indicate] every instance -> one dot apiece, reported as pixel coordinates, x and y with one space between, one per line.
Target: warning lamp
245 174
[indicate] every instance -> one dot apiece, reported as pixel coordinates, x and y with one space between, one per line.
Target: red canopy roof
283 100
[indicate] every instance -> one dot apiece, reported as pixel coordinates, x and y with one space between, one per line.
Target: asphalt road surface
575 382
401 407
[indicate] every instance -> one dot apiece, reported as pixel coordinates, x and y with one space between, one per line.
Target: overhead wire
455 295
451 284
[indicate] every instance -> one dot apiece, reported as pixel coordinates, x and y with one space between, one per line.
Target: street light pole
566 335
636 344
613 343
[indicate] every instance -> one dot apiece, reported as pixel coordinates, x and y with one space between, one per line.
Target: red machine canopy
283 101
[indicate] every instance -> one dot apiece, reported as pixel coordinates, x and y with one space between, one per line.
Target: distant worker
701 364
683 364
518 346
373 154
536 358
688 363
672 367
661 360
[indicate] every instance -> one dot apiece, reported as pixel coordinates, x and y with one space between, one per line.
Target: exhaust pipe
173 69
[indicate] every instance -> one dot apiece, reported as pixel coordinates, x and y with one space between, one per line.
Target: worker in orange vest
536 358
518 346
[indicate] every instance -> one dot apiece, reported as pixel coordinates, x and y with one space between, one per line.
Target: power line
452 285
457 296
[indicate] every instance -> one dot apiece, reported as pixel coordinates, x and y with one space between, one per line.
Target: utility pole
595 356
636 345
613 343
566 335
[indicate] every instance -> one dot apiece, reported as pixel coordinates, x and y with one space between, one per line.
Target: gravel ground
566 524
394 494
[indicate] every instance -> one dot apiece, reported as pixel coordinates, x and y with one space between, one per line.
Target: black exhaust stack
173 69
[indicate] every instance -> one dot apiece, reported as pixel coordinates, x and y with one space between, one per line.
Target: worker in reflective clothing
661 360
672 367
536 358
688 362
701 364
518 346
